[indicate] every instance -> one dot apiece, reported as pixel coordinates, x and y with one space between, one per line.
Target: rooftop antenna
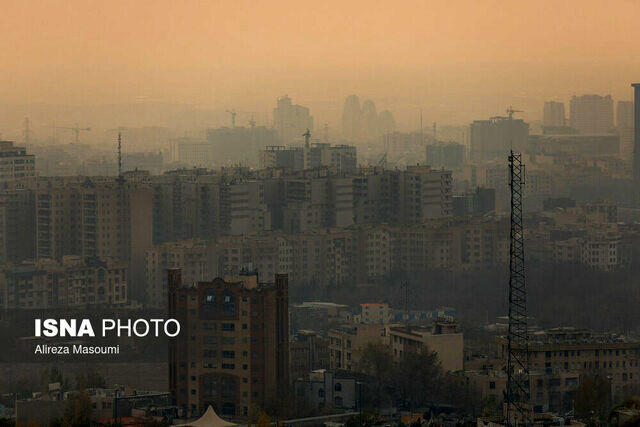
434 131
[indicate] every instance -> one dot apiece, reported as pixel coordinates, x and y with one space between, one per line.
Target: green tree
78 411
91 379
376 361
417 378
593 400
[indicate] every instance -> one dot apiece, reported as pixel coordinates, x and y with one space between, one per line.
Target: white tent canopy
208 419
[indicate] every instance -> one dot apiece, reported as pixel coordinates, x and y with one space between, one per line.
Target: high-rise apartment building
15 163
365 123
279 156
196 258
188 204
592 114
553 114
351 118
341 158
624 125
290 120
491 139
95 220
445 155
17 225
233 349
426 194
636 133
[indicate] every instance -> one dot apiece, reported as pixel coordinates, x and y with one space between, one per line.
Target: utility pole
518 387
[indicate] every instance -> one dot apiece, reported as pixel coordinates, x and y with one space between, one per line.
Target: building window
338 387
228 327
338 402
229 354
210 297
492 385
321 392
228 408
228 303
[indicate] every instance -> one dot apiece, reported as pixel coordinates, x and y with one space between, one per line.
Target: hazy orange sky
455 59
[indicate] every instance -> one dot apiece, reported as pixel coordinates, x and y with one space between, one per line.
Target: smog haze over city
455 60
328 214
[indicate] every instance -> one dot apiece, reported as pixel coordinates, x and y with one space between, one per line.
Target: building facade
233 349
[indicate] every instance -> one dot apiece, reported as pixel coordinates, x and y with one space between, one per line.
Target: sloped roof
208 419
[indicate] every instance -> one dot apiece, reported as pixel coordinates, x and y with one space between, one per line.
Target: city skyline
456 65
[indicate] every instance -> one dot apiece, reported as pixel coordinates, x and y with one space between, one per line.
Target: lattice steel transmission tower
518 391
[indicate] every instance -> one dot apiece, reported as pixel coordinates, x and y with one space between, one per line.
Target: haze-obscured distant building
365 123
290 120
592 114
351 117
341 158
625 127
577 145
17 225
491 139
279 156
147 161
15 163
242 145
94 219
445 154
553 114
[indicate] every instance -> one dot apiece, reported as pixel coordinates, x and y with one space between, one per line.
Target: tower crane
233 117
510 112
76 130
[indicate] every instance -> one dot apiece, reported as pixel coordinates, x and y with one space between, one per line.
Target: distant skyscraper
636 133
624 125
351 117
592 114
553 114
386 122
290 120
369 119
